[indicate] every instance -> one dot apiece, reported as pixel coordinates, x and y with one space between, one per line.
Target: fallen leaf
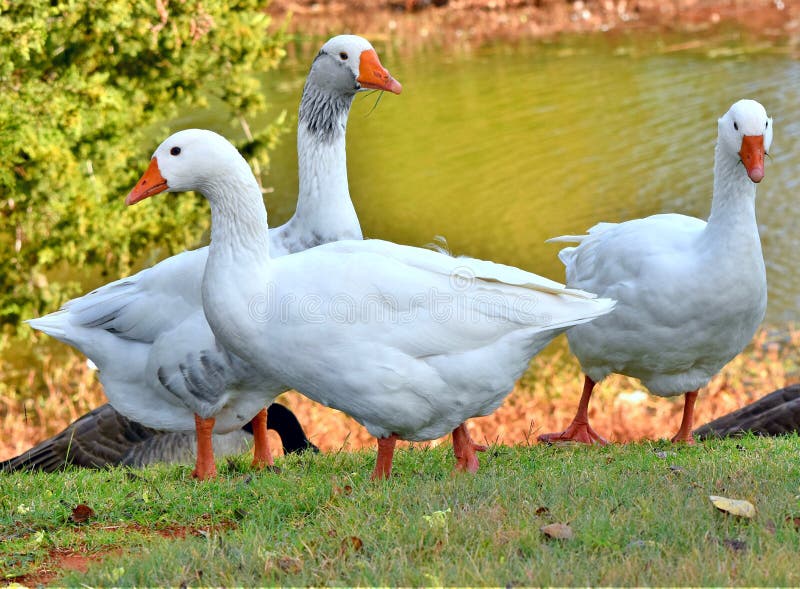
559 531
81 513
438 519
738 507
542 510
770 527
794 520
289 564
735 544
353 543
641 544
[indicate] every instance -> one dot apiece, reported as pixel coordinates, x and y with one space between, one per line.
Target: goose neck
324 206
238 216
733 203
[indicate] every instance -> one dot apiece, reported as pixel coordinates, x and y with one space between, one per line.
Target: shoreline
474 22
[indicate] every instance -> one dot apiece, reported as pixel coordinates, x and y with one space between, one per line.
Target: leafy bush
82 88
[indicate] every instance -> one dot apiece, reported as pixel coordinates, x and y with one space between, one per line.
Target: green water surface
501 147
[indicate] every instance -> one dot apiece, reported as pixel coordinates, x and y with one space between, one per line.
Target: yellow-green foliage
81 86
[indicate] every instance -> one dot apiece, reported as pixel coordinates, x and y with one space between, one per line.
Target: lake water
502 147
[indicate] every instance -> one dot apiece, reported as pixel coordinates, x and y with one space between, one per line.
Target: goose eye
766 125
735 126
175 151
343 56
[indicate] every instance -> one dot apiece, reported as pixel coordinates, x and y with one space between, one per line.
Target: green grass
637 518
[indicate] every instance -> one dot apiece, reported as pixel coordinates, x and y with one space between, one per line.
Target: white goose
690 294
408 341
145 331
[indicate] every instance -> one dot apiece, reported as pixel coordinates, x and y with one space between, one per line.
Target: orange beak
152 182
371 74
752 154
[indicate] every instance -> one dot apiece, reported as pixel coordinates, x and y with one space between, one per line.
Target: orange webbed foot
580 432
465 450
681 438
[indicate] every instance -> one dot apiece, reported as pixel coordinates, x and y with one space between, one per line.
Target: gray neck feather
324 113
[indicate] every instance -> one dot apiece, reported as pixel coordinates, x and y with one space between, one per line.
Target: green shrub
83 88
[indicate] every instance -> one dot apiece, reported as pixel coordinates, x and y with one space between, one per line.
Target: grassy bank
639 514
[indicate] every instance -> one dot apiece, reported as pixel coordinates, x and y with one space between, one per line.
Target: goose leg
579 430
465 449
205 467
383 464
262 456
685 432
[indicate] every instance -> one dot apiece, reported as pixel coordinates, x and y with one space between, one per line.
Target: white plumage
159 361
690 294
408 341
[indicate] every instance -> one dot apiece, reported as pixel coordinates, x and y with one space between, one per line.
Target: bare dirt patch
60 561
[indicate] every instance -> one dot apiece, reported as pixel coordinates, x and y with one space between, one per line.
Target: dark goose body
104 437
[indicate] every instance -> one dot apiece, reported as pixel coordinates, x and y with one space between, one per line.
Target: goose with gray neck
325 211
691 293
159 361
400 338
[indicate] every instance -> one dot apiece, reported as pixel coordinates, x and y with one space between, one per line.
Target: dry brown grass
36 403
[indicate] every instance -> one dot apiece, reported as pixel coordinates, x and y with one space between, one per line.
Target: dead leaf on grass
542 510
353 543
738 507
289 564
637 544
438 519
794 520
735 544
81 513
558 531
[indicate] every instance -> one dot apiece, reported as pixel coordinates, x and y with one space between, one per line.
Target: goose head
745 132
193 159
347 64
